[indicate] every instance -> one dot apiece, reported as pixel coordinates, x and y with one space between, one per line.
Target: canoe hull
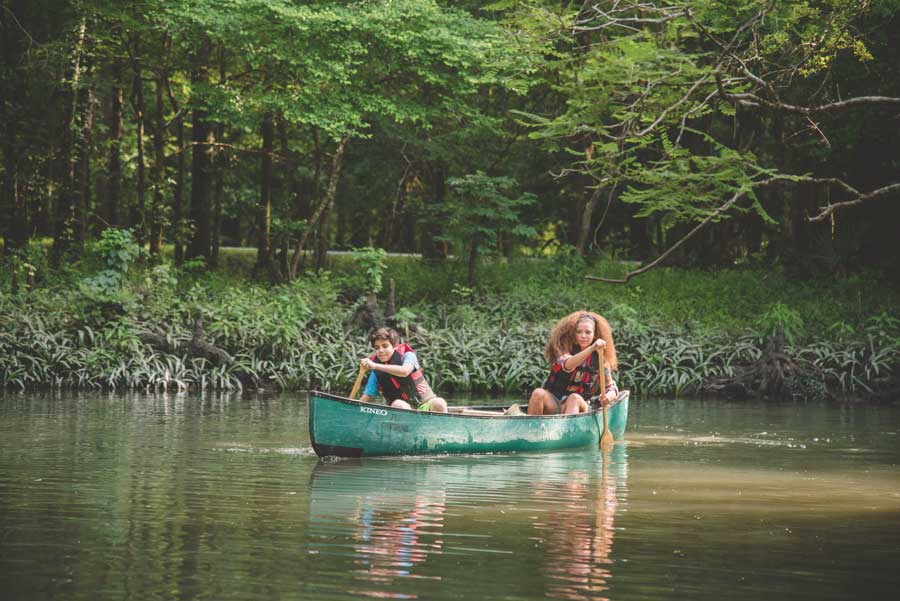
341 427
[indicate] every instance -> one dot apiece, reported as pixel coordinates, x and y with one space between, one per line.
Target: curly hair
562 337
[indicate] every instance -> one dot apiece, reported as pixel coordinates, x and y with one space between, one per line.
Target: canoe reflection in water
511 526
578 535
390 543
391 513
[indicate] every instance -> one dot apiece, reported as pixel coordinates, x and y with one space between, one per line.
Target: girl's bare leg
575 403
541 403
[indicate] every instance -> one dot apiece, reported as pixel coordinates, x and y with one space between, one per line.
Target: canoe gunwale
349 401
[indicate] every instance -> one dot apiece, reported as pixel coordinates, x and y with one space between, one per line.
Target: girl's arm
612 390
577 359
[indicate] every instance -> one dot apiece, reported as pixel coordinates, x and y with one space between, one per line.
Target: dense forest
608 138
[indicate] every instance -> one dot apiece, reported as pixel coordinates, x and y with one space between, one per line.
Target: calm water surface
165 497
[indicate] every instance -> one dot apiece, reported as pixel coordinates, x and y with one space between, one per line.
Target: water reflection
401 526
219 497
579 533
391 543
393 512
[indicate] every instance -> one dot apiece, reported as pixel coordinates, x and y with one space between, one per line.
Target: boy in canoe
574 367
396 374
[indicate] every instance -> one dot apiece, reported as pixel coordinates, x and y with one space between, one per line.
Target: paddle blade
607 441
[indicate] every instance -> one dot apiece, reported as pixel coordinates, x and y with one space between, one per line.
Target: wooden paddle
606 440
359 377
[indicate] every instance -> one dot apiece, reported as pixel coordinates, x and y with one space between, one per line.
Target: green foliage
116 251
371 262
334 66
25 264
484 205
686 187
481 209
405 317
780 317
674 331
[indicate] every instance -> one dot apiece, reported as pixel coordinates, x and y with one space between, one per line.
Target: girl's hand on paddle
599 343
606 399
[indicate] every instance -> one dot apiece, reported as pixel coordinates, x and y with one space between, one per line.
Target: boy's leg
398 404
435 404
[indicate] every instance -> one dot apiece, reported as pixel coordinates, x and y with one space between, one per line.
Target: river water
110 496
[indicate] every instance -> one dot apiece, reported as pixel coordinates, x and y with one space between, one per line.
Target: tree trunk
473 260
342 220
431 247
138 219
15 232
178 193
218 198
179 236
389 235
159 168
264 215
219 192
584 225
64 218
115 126
322 239
330 195
83 174
291 185
201 168
639 238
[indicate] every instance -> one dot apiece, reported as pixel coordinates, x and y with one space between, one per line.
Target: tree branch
736 197
753 100
861 198
821 216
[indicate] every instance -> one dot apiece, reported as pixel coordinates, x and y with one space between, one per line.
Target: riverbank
686 333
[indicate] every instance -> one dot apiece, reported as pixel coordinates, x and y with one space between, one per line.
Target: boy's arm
395 370
370 393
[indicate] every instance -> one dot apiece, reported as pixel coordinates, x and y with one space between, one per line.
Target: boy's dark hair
389 334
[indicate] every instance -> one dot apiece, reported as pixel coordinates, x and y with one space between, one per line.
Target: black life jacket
410 389
584 379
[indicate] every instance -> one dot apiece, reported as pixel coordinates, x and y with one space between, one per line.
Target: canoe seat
467 411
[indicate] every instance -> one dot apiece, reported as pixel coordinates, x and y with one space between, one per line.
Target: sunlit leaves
335 65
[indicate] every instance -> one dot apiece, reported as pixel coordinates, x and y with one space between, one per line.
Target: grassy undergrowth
108 321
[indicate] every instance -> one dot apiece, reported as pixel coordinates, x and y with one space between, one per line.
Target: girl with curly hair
574 367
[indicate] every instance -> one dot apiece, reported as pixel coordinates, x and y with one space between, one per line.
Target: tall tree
201 151
66 202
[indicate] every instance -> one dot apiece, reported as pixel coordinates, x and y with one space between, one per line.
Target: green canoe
342 427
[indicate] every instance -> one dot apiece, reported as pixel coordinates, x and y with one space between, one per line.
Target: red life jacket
410 389
584 379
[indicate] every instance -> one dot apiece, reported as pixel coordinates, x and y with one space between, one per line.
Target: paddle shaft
359 377
606 440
